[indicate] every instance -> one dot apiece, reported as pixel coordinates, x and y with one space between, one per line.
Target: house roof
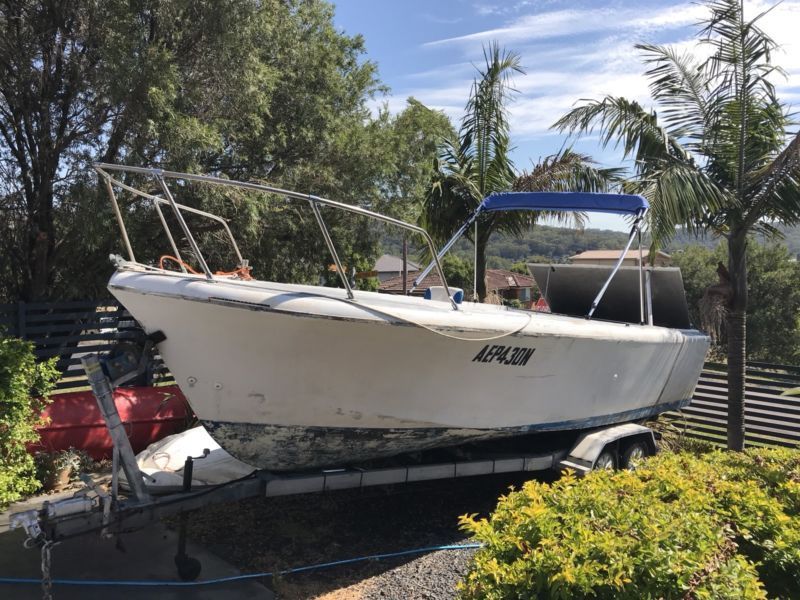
614 254
502 279
496 279
393 264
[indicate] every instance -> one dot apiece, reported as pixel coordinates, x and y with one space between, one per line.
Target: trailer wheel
188 567
607 461
634 455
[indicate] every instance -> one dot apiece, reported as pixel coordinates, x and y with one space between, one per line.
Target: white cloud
439 20
599 60
461 70
568 22
484 10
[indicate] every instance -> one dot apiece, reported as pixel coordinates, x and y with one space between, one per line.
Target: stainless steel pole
649 288
332 249
118 214
189 237
641 283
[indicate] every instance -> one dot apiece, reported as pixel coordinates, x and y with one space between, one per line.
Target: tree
408 147
458 271
772 274
477 163
246 89
406 153
715 158
81 81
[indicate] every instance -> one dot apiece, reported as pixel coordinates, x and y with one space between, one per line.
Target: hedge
24 384
714 525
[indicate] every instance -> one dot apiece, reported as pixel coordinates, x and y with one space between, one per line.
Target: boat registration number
504 355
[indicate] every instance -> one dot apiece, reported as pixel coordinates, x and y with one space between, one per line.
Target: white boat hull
288 377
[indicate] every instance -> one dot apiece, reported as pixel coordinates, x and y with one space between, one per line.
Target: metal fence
771 419
69 330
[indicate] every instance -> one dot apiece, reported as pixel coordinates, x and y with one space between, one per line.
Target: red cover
149 414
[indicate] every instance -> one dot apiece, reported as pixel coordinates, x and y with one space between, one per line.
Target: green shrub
715 525
24 385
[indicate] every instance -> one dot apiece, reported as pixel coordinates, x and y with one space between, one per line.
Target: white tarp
163 462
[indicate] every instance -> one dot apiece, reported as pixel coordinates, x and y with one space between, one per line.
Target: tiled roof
496 279
393 264
501 279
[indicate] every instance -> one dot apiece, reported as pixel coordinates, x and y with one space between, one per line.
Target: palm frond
680 85
680 194
777 187
625 123
741 67
485 127
565 171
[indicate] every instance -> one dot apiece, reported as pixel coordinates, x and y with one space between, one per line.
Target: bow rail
161 176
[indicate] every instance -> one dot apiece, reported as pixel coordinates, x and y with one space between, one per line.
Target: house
506 284
388 266
610 257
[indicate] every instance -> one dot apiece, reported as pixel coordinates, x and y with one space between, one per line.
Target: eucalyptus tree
477 163
719 155
247 89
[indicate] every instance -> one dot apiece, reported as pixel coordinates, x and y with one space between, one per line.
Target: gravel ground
271 534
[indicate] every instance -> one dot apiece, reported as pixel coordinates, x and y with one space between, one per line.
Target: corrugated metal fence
68 330
771 419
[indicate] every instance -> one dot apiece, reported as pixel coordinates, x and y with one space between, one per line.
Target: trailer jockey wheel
188 567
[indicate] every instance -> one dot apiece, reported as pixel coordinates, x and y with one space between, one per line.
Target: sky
570 51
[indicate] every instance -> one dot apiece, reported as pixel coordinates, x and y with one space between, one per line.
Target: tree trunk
480 266
737 338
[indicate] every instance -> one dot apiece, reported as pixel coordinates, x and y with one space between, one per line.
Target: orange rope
241 272
177 261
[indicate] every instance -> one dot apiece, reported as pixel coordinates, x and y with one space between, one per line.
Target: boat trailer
110 513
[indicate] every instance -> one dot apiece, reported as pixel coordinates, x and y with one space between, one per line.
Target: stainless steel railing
315 201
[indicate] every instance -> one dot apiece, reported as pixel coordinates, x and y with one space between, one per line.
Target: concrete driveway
147 554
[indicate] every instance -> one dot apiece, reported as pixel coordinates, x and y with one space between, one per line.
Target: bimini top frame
160 176
624 204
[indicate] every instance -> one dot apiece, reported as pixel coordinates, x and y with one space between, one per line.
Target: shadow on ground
273 534
143 555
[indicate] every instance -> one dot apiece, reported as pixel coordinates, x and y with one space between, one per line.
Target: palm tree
477 163
718 156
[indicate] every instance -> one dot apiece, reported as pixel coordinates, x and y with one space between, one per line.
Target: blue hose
233 578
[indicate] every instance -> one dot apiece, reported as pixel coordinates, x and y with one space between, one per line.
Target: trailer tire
606 461
633 455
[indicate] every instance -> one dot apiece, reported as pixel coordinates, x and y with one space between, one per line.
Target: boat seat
437 292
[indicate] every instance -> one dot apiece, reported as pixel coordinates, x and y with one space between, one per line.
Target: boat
287 377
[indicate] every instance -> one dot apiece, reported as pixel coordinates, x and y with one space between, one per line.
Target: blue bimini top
626 204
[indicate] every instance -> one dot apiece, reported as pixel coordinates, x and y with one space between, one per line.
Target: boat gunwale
382 317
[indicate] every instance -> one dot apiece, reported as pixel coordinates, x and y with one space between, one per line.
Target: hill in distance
544 243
